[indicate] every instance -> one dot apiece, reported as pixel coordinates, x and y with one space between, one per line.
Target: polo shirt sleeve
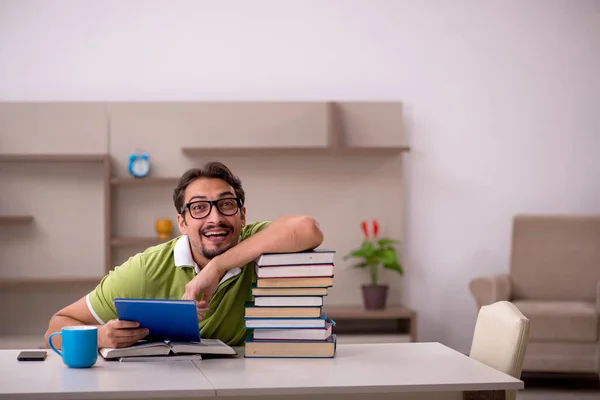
253 228
126 280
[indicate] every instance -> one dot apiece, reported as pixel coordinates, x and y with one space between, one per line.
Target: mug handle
51 345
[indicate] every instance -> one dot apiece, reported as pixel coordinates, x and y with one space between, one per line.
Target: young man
209 263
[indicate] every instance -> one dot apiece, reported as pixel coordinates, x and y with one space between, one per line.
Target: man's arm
115 333
97 308
77 313
285 234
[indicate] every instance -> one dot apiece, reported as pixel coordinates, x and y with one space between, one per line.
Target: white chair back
500 339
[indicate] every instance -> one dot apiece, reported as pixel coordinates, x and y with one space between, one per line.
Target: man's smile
217 234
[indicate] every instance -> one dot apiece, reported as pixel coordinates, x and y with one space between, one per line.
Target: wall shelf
392 320
53 157
102 158
343 312
133 241
15 219
264 151
9 282
148 181
171 131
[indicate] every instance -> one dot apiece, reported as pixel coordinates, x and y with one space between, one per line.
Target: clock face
140 167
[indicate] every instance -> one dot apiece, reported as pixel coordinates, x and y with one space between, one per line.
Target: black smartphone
36 355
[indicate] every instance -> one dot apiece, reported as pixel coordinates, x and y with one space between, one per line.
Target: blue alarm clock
139 165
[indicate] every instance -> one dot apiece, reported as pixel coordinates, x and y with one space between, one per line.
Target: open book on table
167 350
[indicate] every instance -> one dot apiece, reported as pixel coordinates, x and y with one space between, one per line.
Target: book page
205 346
186 357
138 349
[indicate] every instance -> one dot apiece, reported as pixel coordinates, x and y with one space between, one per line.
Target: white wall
502 100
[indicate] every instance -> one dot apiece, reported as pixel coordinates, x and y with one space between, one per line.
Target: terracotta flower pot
374 296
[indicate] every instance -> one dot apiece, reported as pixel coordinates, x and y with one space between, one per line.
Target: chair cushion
574 321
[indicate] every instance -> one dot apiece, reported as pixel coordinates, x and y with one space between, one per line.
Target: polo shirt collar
183 254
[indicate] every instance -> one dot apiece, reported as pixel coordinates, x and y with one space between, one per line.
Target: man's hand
201 308
205 282
117 333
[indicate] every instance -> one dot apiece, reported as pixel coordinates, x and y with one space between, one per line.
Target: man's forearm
286 234
57 322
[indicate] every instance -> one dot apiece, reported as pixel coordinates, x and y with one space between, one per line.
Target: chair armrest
598 297
490 289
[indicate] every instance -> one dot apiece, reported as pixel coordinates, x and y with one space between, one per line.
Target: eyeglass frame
213 203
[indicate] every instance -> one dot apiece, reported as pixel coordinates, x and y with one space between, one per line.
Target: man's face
215 233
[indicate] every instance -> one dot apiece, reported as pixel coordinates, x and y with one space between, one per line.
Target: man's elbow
51 329
309 233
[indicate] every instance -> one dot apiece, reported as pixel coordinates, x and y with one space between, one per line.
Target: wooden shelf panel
254 151
358 312
15 219
148 181
137 241
26 341
8 282
392 320
53 157
369 150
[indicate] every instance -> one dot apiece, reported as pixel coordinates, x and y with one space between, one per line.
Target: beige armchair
554 280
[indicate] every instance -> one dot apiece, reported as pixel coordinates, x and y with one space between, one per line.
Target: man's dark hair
212 169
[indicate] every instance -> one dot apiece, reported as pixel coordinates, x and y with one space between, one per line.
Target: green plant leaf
365 250
386 242
395 267
388 256
389 260
376 254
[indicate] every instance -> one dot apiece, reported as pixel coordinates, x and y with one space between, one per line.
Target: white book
293 271
288 301
293 334
316 256
279 323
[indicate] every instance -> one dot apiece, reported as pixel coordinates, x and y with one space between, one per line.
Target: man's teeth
216 233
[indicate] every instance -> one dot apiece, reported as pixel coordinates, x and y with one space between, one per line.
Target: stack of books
286 315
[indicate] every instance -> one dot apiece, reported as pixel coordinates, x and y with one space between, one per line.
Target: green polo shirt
162 271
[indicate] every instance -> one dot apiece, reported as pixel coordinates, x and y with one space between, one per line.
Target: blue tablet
175 320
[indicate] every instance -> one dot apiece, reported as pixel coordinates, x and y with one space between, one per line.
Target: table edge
146 394
325 390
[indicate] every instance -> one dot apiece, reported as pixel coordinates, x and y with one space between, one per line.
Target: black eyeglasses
202 208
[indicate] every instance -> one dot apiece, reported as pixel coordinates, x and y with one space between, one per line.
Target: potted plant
375 253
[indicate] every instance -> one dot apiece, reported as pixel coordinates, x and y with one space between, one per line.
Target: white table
395 370
367 371
51 379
